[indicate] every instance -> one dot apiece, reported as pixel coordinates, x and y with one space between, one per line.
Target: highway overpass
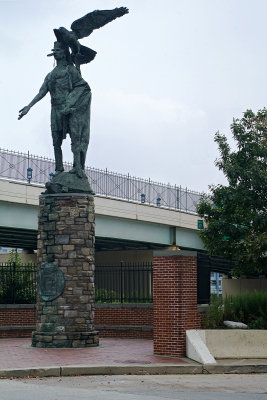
120 224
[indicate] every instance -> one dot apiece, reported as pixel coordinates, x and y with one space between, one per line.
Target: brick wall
17 320
125 321
175 300
112 320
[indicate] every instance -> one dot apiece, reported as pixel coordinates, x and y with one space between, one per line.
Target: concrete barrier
225 343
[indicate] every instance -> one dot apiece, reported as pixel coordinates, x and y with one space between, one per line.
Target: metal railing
121 283
124 283
17 284
35 169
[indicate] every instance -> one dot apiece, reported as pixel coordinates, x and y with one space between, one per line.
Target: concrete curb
29 372
127 369
235 369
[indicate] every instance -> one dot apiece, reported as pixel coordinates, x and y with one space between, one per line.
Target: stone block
74 212
50 309
63 213
83 214
72 254
82 235
65 263
62 239
80 320
47 339
61 337
78 343
84 299
62 343
68 247
69 220
54 249
47 327
91 217
79 220
49 242
62 255
72 270
85 251
53 217
78 291
70 314
49 226
76 241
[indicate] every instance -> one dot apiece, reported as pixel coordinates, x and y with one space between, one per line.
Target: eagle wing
84 26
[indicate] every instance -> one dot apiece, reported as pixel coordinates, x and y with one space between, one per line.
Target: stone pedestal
65 304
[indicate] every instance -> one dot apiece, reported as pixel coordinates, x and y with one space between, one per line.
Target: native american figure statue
71 97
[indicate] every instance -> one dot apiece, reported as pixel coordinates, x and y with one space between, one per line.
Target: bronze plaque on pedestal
50 281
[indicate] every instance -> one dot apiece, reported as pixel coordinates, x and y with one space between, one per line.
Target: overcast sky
167 76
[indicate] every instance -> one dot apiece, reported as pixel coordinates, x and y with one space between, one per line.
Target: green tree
236 214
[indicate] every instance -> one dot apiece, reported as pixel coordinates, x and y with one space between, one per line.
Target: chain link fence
34 169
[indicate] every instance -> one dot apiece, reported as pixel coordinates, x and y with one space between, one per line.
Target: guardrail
34 169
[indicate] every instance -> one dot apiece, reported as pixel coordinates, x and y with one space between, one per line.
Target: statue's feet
58 171
78 171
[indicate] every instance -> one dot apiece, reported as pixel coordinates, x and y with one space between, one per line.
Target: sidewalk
112 357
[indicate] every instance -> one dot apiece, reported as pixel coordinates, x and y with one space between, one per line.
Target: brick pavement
18 353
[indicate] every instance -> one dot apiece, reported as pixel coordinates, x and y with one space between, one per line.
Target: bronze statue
71 95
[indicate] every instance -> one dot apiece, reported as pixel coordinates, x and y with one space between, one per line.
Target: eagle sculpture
83 27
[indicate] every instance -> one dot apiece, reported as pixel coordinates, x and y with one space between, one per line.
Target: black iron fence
124 283
39 170
17 284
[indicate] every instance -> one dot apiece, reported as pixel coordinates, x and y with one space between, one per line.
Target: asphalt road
127 387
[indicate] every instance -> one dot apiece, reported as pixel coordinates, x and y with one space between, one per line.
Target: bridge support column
65 304
175 300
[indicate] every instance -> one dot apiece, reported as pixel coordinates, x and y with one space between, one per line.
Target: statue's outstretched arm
42 92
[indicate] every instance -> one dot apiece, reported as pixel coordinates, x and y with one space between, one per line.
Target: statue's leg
57 143
75 135
85 134
84 145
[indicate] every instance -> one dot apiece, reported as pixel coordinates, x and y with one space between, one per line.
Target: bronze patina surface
71 99
50 281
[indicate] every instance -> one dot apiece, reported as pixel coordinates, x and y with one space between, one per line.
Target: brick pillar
65 304
175 300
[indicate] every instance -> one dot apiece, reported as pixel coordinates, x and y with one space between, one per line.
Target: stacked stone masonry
66 235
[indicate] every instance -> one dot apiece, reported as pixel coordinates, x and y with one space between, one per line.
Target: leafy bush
214 316
105 296
249 308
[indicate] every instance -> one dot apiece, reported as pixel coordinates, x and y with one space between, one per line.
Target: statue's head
61 51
